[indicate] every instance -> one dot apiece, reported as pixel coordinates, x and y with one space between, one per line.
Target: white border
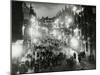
5 37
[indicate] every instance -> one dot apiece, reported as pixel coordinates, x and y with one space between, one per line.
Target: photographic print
52 37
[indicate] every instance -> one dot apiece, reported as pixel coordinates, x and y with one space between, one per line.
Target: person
79 58
74 55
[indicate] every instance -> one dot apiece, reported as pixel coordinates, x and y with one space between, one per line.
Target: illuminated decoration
77 10
61 24
32 19
75 43
56 23
55 33
35 40
33 33
44 29
76 32
80 10
74 8
23 28
67 25
17 49
84 41
78 37
68 21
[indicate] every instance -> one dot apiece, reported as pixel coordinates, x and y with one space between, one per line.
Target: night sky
46 9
